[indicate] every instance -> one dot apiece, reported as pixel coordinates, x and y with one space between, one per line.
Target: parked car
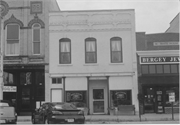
7 113
56 113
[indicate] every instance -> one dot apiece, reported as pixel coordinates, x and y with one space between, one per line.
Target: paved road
143 122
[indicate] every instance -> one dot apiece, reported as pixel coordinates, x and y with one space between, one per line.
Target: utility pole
1 51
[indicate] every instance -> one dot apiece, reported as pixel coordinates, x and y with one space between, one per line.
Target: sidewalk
120 118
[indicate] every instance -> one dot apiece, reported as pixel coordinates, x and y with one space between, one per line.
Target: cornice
159 53
90 30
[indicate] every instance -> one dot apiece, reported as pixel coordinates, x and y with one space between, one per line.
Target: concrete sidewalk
120 118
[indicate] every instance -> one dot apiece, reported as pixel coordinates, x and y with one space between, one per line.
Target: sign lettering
9 88
147 60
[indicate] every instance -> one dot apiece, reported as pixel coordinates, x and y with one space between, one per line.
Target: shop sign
9 88
121 95
156 60
166 43
172 97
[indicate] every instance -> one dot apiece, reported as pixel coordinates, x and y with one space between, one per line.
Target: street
143 122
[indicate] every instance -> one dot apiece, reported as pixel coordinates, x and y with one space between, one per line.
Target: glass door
159 103
25 93
26 99
98 101
149 100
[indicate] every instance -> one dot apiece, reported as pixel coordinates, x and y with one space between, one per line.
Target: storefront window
120 97
8 78
78 98
174 90
25 78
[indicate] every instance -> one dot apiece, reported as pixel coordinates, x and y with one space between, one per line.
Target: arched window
116 50
12 39
90 50
36 29
65 51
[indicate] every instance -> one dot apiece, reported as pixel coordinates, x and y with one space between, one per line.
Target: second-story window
116 50
65 51
12 38
36 38
90 50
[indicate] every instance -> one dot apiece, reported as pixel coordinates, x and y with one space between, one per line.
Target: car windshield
66 106
4 104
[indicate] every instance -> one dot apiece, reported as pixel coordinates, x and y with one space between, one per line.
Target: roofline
174 18
58 6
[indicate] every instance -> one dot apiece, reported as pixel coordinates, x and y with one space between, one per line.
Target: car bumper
8 120
66 120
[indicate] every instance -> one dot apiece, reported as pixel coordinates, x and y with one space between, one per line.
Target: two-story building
93 59
25 44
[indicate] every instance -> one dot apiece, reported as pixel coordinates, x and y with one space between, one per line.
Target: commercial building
25 37
158 71
93 59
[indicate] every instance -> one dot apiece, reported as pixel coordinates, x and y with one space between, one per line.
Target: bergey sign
153 60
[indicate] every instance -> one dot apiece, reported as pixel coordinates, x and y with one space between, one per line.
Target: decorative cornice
36 20
90 30
13 19
115 74
89 23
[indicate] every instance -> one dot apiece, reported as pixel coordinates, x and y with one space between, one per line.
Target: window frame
36 41
121 51
60 53
95 52
17 54
57 79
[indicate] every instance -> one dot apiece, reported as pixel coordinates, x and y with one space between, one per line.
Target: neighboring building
93 59
174 25
158 71
26 55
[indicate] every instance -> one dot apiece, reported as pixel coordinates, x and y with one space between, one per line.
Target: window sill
91 64
65 64
116 63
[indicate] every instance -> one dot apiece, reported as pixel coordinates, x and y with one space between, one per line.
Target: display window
78 98
174 90
120 97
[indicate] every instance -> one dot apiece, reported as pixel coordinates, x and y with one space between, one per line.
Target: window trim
121 52
94 40
36 41
7 39
64 40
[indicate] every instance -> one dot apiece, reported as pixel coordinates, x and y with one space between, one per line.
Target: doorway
25 92
98 97
98 101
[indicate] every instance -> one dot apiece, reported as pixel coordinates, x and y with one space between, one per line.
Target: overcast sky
152 16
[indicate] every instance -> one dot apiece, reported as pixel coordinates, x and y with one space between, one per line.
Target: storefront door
159 101
25 98
149 100
25 92
98 101
98 97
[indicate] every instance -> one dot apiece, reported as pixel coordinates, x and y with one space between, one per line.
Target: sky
151 16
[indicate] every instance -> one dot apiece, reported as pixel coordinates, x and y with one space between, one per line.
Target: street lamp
1 50
4 8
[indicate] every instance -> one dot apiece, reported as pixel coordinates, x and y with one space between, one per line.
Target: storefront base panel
168 110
